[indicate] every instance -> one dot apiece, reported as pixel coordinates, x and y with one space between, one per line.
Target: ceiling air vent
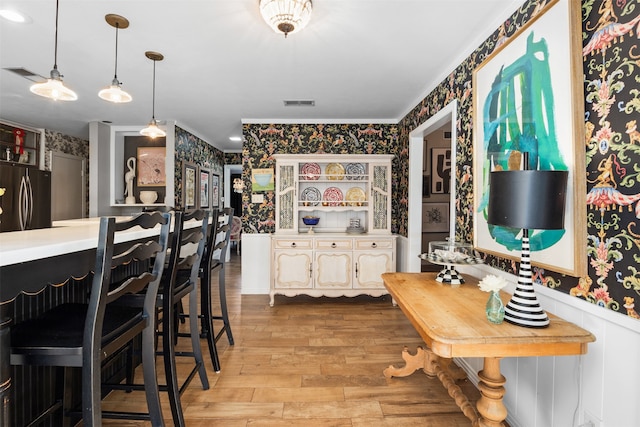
299 103
29 75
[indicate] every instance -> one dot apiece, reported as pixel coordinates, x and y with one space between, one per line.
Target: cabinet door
293 269
380 209
333 270
369 266
286 217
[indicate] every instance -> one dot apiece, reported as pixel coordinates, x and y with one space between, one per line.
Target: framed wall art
435 217
215 190
204 185
262 180
528 98
151 166
440 170
189 185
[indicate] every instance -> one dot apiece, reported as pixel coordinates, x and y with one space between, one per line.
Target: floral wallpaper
192 149
262 141
612 148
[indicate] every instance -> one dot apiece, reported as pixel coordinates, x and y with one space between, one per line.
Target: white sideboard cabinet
326 260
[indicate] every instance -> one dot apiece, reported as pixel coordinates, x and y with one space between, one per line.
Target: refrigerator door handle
22 200
29 202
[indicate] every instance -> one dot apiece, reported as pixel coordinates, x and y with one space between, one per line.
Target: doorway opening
417 158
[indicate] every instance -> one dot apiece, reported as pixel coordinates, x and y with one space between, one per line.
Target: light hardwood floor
309 362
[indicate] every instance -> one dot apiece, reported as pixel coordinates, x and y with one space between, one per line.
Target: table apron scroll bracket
442 368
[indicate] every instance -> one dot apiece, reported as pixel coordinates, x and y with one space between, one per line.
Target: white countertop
64 237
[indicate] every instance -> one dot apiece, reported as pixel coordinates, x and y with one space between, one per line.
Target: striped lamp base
523 309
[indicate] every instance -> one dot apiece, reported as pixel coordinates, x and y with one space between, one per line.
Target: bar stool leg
223 305
169 357
195 337
207 320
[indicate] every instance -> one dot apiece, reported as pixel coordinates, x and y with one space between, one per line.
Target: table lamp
527 199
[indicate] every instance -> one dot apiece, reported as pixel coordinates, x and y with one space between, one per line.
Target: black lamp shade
529 199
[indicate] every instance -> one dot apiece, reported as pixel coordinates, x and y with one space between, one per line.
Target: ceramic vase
495 308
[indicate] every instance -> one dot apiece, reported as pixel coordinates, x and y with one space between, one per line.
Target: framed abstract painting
528 97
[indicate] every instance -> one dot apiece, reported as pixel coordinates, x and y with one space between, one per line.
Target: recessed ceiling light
13 16
235 138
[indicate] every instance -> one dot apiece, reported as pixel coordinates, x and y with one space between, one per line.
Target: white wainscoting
256 263
568 391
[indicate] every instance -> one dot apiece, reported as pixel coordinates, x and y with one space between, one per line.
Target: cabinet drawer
382 243
341 244
292 243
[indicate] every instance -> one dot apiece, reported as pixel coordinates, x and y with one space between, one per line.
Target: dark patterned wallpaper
262 141
192 149
612 148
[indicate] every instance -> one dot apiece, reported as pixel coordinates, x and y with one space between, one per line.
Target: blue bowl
311 220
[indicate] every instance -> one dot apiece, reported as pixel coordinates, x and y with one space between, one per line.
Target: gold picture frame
528 96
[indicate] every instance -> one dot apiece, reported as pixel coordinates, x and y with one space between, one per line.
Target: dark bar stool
214 260
74 335
179 281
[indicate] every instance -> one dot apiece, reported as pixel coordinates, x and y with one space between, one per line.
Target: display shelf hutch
341 190
32 145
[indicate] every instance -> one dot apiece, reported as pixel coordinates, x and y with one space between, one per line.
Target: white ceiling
360 60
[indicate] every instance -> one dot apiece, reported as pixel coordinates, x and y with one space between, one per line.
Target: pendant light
114 93
54 88
152 130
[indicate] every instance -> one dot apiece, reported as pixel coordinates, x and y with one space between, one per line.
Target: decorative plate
355 171
310 171
355 195
311 194
334 171
333 196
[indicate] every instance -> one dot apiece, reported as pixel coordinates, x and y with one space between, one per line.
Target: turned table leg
490 407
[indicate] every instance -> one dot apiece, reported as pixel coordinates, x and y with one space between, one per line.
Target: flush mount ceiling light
114 93
153 131
286 16
54 88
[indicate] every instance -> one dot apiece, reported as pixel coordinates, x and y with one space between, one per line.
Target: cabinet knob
373 245
293 244
333 245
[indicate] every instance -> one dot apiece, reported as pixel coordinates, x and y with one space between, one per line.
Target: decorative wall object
204 185
524 96
190 185
215 190
262 180
440 170
435 217
151 166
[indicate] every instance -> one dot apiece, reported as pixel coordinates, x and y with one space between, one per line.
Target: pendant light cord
115 71
55 54
153 97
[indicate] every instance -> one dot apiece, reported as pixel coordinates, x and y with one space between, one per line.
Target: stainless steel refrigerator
26 202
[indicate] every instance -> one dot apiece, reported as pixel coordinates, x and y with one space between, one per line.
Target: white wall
562 391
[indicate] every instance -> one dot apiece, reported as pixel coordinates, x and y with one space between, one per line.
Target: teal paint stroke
528 127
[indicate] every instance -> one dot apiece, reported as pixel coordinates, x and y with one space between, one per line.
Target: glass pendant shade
54 89
152 130
286 16
114 92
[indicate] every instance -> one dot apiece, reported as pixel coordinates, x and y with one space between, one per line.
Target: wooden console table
452 322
